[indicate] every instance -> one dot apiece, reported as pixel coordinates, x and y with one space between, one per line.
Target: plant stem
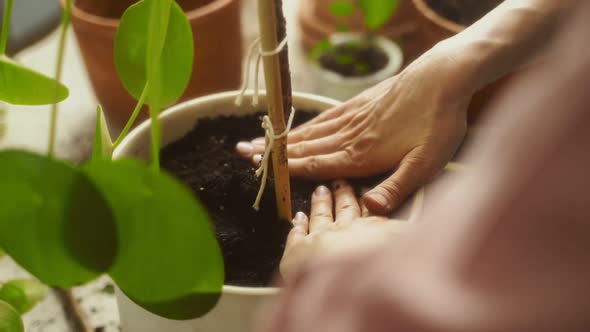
159 18
134 115
65 22
5 26
73 310
275 87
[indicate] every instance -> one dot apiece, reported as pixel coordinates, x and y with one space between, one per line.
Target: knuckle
393 191
346 206
312 165
322 214
307 132
299 148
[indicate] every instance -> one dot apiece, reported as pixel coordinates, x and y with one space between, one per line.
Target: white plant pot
237 306
333 85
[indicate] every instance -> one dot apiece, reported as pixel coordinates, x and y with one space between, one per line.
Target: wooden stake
278 92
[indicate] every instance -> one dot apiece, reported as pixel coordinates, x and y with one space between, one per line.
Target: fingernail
381 200
259 141
257 159
245 149
338 184
322 191
300 216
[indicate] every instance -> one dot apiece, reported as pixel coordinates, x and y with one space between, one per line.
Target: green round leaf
10 320
377 12
169 262
22 86
131 50
23 294
342 8
54 223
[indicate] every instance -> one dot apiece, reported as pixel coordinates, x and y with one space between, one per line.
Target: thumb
413 171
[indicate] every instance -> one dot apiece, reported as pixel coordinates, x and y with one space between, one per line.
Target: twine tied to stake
269 135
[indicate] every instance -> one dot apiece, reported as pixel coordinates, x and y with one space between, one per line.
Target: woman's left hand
348 231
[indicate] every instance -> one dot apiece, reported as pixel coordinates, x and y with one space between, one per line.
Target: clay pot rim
194 14
437 19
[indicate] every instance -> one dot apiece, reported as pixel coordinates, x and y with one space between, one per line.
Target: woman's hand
325 234
412 123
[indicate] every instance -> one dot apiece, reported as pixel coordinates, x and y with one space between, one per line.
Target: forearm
509 37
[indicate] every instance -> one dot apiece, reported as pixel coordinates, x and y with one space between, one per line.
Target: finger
364 210
321 209
331 113
319 146
347 206
312 140
321 167
245 150
321 129
299 230
412 172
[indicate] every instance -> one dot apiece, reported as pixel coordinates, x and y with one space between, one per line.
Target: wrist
463 67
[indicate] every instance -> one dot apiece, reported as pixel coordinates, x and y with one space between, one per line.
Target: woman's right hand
347 231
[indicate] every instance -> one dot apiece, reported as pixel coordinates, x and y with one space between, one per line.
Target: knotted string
269 138
269 135
251 53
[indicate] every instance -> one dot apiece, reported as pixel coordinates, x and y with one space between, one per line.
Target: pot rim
391 49
189 104
194 14
436 18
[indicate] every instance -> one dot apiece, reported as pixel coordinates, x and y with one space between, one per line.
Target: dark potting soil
464 12
252 241
115 8
354 59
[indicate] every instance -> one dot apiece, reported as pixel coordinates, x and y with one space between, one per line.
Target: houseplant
317 22
348 63
66 225
216 26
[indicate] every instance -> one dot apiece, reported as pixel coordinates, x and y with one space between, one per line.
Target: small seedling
349 59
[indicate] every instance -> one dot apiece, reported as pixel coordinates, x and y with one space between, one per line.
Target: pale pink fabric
507 245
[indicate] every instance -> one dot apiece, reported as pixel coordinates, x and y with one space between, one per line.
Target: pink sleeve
506 247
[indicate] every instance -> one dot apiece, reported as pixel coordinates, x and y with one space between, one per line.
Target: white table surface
27 128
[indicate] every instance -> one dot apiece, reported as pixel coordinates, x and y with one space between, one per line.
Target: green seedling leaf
23 294
361 68
54 223
319 49
2 253
163 228
131 51
103 145
344 59
22 86
10 320
341 8
377 12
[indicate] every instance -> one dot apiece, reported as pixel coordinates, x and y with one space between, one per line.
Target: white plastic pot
331 84
237 306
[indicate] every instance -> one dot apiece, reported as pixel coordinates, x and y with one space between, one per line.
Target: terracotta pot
217 65
317 23
432 29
